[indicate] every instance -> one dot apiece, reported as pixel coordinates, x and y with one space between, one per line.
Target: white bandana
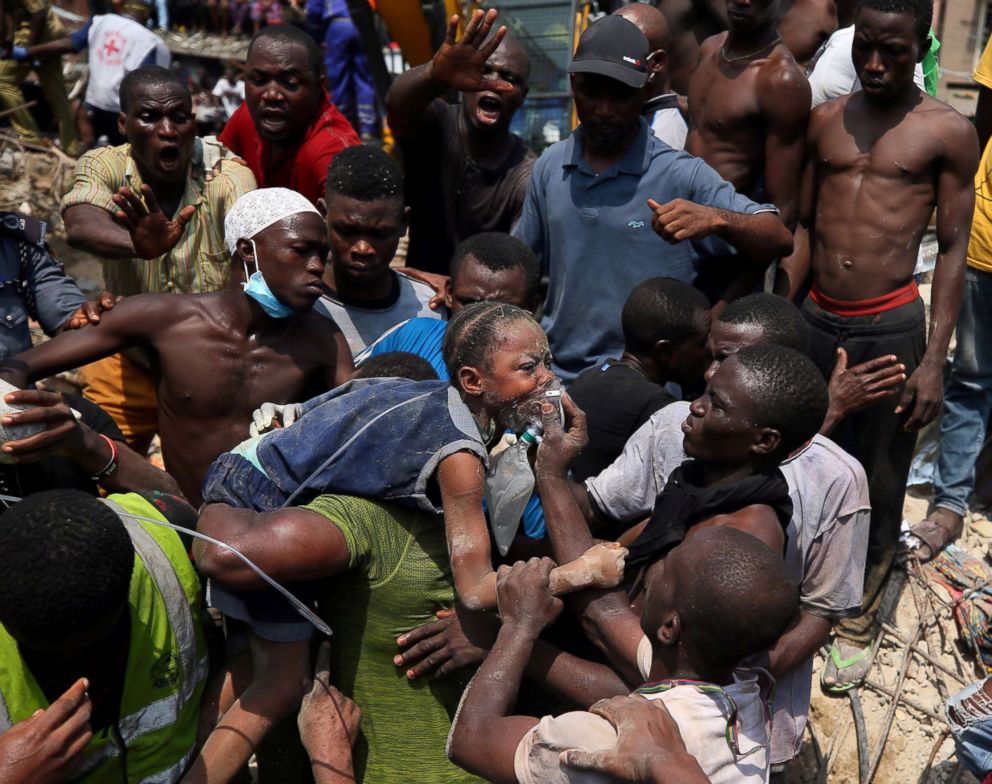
258 210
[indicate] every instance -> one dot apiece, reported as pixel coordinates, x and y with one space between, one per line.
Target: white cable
299 606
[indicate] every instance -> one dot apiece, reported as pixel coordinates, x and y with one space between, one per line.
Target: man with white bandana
219 356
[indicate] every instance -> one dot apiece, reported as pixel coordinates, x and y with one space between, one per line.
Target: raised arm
484 735
457 65
135 321
122 225
955 206
605 615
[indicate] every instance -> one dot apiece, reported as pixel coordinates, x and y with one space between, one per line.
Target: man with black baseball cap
595 198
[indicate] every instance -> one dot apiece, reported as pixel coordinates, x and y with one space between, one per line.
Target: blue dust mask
259 290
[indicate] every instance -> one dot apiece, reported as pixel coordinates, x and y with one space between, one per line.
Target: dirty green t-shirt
399 575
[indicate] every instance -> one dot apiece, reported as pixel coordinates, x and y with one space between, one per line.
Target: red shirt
304 169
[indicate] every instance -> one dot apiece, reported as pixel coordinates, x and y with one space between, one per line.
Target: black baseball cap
613 47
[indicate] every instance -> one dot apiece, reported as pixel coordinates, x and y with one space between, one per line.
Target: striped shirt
199 261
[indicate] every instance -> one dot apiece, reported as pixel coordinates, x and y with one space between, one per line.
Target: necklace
749 55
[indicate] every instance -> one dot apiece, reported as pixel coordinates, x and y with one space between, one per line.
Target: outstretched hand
152 232
458 638
89 312
460 64
852 389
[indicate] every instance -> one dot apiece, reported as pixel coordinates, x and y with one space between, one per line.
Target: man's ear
405 221
662 351
470 380
925 48
670 629
244 251
322 206
446 293
657 61
120 124
766 442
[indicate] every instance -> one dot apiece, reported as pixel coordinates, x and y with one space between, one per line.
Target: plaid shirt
199 261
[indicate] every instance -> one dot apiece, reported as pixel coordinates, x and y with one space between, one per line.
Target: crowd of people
632 421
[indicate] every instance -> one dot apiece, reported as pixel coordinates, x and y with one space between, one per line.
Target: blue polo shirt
592 233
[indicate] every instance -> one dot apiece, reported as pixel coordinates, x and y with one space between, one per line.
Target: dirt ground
917 747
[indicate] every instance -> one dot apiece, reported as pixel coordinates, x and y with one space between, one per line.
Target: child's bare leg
281 676
601 566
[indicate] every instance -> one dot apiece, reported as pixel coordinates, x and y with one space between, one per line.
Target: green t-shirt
399 575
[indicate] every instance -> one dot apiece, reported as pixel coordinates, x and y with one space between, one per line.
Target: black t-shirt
450 195
59 473
616 400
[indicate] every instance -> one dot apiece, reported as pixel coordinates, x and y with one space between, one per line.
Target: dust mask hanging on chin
253 212
259 290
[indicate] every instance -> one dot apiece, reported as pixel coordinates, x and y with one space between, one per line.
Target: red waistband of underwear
866 307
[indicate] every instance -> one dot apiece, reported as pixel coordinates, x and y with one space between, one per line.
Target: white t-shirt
831 71
363 325
827 538
231 94
118 45
704 713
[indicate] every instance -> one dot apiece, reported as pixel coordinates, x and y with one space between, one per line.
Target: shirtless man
691 23
219 356
749 106
878 162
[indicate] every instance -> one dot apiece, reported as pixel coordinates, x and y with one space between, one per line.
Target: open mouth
489 109
168 158
273 118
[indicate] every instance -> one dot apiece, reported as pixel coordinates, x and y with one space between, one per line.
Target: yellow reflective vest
153 740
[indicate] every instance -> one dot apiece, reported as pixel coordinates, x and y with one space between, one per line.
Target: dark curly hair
780 321
67 563
364 174
920 10
663 309
787 391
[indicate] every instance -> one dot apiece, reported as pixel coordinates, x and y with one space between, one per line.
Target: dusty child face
519 366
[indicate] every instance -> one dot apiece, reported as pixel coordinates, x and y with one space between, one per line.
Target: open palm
152 232
461 64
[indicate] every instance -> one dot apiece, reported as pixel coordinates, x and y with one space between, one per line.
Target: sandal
835 667
934 533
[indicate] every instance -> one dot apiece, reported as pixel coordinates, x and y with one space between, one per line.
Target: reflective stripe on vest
166 711
163 712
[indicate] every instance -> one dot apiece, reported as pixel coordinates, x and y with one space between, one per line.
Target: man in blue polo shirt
611 206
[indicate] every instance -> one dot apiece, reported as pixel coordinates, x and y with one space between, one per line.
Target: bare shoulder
947 124
710 46
827 114
321 330
781 80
